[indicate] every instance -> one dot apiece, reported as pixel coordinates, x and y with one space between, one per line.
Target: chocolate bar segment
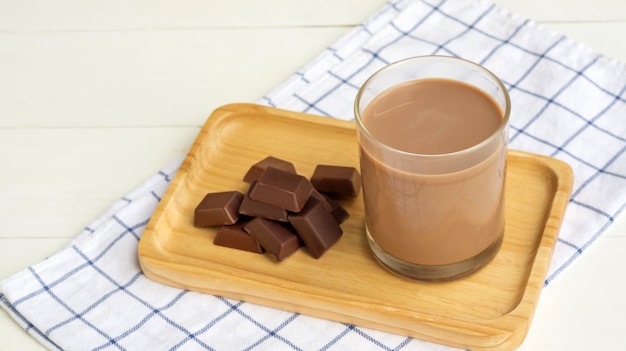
316 227
255 208
218 208
274 237
323 198
337 180
282 189
338 211
234 236
258 168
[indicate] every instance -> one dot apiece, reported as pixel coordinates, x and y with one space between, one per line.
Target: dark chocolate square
316 226
218 208
234 236
274 237
258 168
255 208
282 189
337 180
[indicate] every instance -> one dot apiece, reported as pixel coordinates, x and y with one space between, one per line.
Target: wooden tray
491 309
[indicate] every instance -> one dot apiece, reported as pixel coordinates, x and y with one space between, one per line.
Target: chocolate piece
323 198
337 180
274 237
255 208
234 236
338 211
258 168
218 208
282 189
316 227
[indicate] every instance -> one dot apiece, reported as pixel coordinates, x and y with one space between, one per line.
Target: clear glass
433 217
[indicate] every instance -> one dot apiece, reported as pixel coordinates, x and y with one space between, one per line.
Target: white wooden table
95 96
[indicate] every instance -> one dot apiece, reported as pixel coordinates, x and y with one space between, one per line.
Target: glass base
434 273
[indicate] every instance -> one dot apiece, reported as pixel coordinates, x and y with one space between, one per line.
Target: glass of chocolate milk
433 137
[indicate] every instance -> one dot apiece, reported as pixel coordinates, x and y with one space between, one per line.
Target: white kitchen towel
567 102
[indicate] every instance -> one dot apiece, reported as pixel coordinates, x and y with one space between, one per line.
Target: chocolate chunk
282 189
255 208
337 180
338 211
316 227
258 168
218 208
323 198
234 236
274 237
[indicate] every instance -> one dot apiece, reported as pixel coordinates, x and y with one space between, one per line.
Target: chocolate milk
434 217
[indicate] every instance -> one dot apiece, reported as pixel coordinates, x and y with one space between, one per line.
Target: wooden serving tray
491 309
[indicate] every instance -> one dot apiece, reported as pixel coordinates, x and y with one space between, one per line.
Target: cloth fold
567 101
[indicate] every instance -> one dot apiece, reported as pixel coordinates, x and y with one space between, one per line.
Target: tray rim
520 315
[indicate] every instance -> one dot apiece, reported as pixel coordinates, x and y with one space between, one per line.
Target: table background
96 96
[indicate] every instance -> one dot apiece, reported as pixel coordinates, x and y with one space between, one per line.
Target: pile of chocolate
281 210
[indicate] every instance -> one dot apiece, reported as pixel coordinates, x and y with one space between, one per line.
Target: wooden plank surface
55 80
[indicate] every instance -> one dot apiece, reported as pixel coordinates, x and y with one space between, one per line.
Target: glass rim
450 59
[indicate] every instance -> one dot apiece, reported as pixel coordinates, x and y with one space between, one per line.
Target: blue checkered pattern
566 104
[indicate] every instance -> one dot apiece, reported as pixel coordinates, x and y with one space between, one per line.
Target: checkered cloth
567 103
